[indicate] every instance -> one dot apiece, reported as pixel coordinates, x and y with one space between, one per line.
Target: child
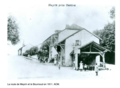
81 66
74 65
85 67
55 62
59 64
96 69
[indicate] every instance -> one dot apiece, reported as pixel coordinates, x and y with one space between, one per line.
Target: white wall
54 52
84 36
98 60
65 33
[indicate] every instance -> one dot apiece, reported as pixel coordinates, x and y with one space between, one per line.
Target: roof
53 34
60 32
79 31
93 34
69 36
24 46
95 44
48 38
21 47
78 28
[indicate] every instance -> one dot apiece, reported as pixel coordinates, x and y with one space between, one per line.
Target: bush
33 50
25 54
52 60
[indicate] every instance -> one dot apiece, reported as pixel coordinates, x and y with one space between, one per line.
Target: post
97 58
61 59
76 61
21 52
103 57
50 53
77 51
18 52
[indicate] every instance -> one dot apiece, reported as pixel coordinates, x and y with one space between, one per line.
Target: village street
20 67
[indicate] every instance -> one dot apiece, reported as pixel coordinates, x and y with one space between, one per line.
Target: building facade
76 44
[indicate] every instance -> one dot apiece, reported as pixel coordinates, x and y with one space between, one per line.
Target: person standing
74 64
85 67
81 66
55 62
59 65
96 69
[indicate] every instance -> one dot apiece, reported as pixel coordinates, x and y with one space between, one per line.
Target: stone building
77 44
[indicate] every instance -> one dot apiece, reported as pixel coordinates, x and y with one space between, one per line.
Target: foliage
39 54
108 36
12 31
32 51
112 13
43 55
108 33
46 45
25 54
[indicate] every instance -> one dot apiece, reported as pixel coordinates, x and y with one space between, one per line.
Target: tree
27 52
108 38
112 13
46 45
12 31
108 33
33 50
39 54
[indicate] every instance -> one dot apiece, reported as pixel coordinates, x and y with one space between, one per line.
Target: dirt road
20 67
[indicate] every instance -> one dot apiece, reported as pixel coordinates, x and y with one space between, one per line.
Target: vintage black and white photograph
60 42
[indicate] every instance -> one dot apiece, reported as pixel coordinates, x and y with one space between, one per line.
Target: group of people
82 67
85 67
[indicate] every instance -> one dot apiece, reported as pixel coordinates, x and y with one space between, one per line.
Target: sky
38 21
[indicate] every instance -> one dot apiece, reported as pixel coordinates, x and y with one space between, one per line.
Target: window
77 42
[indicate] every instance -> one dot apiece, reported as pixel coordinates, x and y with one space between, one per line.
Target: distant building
24 48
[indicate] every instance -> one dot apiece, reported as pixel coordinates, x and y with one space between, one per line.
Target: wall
50 53
59 37
55 38
84 36
98 60
62 57
65 33
54 52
